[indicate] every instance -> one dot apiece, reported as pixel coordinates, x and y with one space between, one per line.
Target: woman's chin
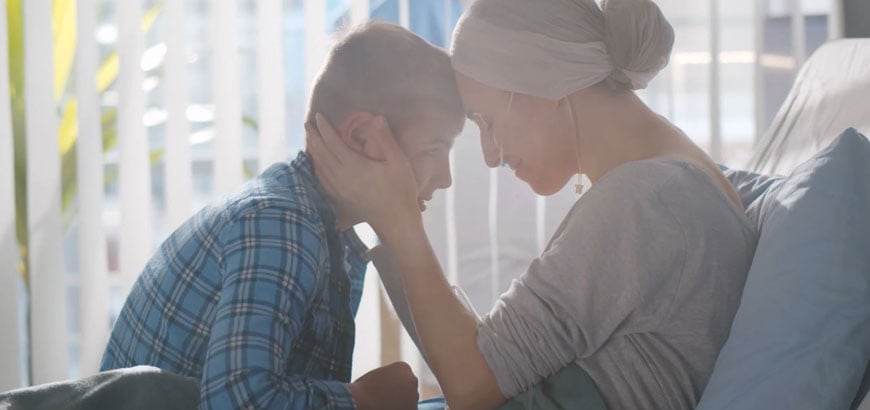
544 187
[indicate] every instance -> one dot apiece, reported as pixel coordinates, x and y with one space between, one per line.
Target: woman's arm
447 331
385 262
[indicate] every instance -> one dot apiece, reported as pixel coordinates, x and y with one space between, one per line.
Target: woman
640 283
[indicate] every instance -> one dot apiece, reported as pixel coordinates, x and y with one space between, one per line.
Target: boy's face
426 142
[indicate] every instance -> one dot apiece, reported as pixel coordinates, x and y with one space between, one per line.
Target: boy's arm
270 260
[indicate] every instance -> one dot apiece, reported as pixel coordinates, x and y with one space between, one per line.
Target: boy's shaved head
384 69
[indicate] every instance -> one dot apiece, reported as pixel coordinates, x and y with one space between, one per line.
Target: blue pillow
801 336
437 403
752 189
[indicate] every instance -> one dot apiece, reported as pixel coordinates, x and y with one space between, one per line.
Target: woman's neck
613 129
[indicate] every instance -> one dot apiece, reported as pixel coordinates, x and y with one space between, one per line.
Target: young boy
255 296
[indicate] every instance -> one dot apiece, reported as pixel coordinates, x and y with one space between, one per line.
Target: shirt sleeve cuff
509 382
339 396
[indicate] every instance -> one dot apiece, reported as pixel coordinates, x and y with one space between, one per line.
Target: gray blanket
135 388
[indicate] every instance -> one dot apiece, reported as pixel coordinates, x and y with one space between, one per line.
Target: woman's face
535 134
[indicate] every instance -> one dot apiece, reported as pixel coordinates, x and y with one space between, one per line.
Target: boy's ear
358 133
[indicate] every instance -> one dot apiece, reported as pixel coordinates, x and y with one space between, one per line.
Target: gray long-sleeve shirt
638 286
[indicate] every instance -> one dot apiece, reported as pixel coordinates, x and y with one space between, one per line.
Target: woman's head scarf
552 48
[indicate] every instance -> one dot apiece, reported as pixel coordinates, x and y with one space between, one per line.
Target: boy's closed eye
431 146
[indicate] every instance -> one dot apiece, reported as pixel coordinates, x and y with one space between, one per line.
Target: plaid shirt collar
356 247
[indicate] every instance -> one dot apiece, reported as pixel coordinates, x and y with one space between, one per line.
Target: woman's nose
490 151
445 180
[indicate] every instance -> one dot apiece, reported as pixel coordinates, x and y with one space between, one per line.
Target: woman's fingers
385 135
322 160
332 140
377 189
326 164
319 152
393 153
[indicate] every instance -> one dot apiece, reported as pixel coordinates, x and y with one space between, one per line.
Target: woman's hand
383 192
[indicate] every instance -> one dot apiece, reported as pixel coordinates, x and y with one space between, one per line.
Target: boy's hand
392 387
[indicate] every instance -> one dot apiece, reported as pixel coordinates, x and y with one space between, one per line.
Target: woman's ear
359 133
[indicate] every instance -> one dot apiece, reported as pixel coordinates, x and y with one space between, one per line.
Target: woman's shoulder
660 176
675 185
638 181
653 172
629 191
681 187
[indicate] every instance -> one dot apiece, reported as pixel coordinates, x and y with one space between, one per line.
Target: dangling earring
578 186
501 162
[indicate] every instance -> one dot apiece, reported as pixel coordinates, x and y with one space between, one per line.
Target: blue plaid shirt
254 296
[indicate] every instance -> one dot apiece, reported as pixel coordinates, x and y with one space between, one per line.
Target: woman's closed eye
435 151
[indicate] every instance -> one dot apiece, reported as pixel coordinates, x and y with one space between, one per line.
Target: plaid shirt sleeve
270 261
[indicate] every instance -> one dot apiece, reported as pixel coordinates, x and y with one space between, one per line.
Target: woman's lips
516 168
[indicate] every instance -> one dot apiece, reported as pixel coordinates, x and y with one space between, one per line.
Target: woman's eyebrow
437 141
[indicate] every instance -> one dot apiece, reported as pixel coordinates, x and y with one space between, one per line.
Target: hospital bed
830 94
